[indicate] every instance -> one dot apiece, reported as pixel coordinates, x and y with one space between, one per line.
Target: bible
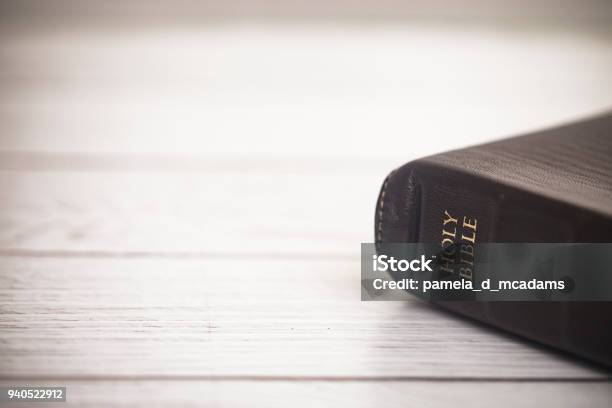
551 186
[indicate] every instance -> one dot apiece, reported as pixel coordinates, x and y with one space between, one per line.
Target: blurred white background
264 79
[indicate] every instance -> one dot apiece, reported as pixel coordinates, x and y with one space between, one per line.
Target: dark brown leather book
550 186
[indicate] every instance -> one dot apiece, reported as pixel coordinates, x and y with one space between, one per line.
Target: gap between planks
96 254
300 378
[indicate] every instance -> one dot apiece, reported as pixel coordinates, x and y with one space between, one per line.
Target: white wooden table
182 210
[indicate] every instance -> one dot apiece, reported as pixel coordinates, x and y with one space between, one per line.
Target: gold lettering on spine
465 273
449 243
450 218
469 226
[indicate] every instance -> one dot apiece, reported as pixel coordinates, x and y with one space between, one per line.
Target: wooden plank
85 318
328 394
281 212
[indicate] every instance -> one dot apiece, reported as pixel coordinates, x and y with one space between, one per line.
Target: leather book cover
550 186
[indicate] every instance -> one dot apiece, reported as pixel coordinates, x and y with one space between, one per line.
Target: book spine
427 201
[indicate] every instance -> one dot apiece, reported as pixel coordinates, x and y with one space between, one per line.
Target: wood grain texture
282 213
140 318
328 394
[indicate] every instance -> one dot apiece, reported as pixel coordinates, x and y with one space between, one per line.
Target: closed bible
551 186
